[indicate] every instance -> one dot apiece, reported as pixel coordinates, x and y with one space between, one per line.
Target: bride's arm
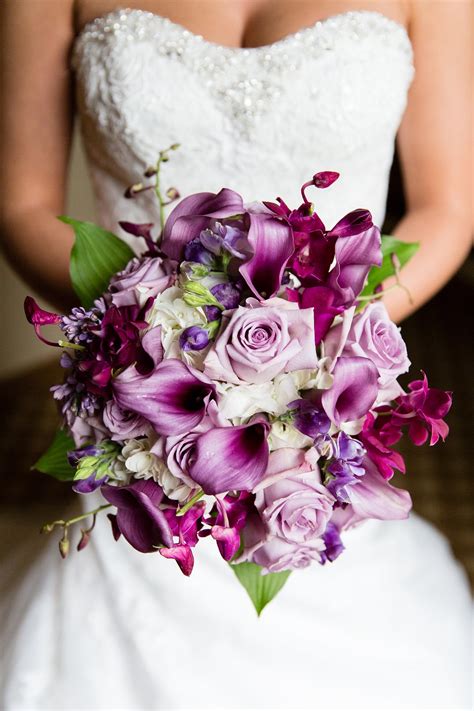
35 134
435 145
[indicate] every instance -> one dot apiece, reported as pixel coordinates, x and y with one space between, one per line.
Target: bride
260 94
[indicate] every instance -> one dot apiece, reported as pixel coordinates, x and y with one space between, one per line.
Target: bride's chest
341 81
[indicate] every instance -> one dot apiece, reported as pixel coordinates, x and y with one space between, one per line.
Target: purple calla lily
271 241
139 518
174 397
354 390
194 214
231 458
355 255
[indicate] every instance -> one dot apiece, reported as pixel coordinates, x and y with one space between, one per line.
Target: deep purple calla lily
355 255
194 214
354 390
139 518
231 458
174 397
271 241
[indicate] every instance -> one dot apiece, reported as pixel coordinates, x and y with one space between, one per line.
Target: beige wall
19 349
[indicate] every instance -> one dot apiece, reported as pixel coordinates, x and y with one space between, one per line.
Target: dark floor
440 479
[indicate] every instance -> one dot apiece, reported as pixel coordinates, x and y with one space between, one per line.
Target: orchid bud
172 194
325 179
150 172
64 545
85 538
174 146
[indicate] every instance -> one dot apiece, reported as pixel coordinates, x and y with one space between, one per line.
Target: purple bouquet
237 381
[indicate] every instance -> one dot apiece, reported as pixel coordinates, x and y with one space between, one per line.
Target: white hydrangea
173 314
138 462
282 434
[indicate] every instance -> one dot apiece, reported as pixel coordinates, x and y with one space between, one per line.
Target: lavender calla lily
194 214
174 397
271 241
355 255
353 392
231 458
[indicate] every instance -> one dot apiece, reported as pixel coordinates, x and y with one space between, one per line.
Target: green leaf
390 245
54 461
261 588
95 257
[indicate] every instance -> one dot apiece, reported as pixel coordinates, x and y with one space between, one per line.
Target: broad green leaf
95 257
54 461
261 588
404 252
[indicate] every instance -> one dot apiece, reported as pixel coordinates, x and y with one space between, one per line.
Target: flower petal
354 390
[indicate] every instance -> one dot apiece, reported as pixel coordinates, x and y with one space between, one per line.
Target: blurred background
439 339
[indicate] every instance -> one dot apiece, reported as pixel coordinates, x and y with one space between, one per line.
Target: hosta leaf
261 588
390 245
54 461
95 257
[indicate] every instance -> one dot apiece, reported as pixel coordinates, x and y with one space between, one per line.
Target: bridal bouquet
236 382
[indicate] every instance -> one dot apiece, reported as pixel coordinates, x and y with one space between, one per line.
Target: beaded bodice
259 120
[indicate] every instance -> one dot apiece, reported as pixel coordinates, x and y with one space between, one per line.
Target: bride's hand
435 145
35 136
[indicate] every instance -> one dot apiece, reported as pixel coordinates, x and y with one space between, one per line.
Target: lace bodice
260 120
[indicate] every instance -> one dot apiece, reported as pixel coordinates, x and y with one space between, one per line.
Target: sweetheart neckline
155 17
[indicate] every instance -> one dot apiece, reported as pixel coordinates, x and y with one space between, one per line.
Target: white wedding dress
387 626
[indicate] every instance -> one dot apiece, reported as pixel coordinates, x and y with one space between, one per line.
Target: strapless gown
387 626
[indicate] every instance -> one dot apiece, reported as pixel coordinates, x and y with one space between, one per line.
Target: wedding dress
387 625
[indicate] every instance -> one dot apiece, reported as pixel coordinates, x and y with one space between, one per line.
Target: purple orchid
38 317
231 458
139 517
374 440
186 529
173 397
322 300
227 519
354 390
144 231
423 409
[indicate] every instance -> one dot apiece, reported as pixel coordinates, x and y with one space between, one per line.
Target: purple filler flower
333 543
309 419
193 338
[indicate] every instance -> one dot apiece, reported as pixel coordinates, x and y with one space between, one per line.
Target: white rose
173 314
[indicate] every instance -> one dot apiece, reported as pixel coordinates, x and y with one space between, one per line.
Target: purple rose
373 335
262 340
141 279
123 424
297 507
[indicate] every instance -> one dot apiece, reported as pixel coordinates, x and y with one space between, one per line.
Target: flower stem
184 509
48 527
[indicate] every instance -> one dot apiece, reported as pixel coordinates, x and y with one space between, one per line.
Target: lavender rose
123 424
257 343
141 279
277 555
373 335
296 508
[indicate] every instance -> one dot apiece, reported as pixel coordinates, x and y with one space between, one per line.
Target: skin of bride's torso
241 23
